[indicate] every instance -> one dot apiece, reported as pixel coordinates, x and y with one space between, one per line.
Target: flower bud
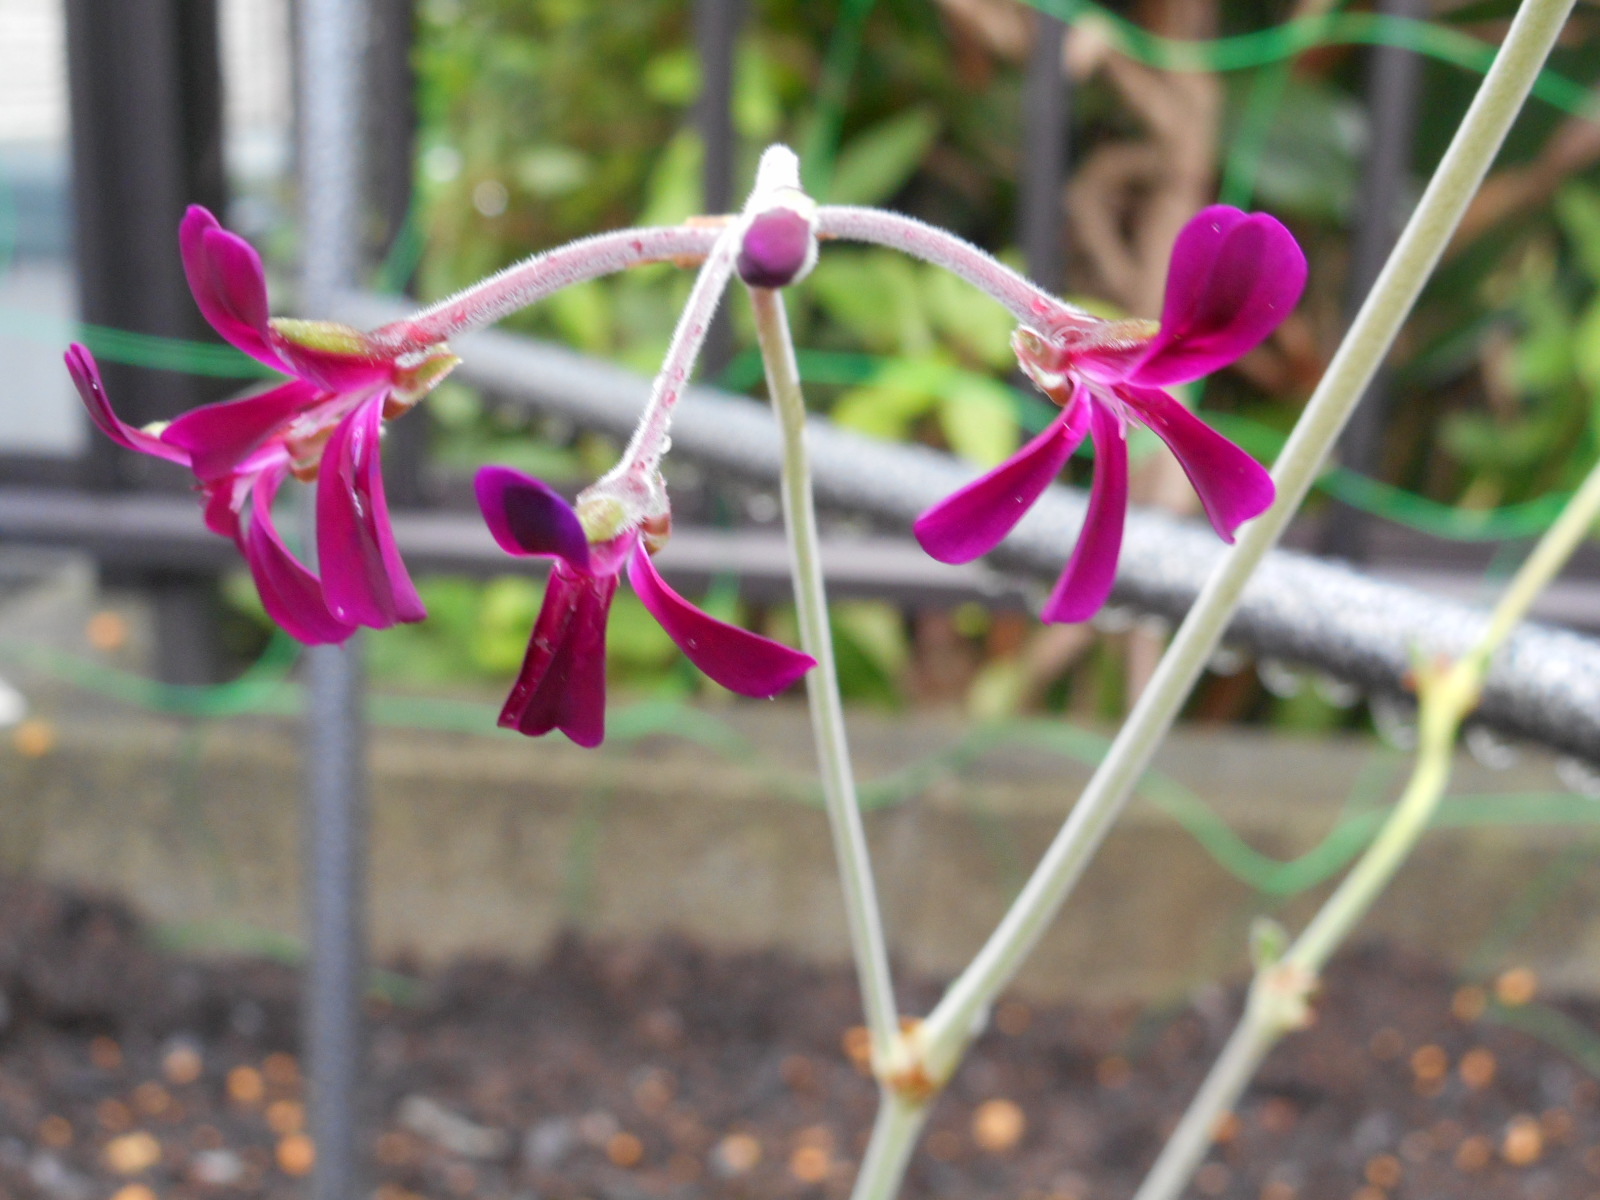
780 242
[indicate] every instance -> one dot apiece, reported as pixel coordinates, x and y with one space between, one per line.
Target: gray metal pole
1046 114
331 39
1394 92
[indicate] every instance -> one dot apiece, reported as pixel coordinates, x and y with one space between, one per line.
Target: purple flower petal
526 516
974 520
778 248
1233 279
228 284
562 684
1092 569
363 577
86 375
218 437
290 593
1232 486
739 660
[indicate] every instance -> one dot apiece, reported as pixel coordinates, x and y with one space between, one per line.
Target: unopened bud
780 243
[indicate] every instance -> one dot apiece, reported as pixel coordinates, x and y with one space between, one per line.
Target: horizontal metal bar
1545 684
164 531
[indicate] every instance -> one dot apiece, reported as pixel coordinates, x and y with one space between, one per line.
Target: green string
265 690
1263 46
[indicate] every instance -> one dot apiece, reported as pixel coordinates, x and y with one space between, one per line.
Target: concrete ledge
492 844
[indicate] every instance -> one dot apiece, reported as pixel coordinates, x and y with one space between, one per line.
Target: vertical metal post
1393 89
145 92
331 37
1046 112
716 35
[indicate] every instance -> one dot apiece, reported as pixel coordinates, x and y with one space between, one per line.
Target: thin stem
894 1135
649 442
1473 148
1255 1034
1028 302
541 275
822 683
1446 694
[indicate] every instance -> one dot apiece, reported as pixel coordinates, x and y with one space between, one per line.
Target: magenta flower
562 683
1232 279
325 423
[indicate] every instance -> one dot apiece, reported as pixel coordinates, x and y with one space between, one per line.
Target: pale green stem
894 1136
1471 151
1446 694
1251 1039
822 683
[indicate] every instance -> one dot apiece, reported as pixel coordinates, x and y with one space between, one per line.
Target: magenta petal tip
739 660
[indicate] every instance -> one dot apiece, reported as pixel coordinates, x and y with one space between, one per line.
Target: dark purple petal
739 660
974 520
779 246
228 284
218 437
562 684
86 375
526 516
1092 569
290 593
363 577
1233 279
1232 486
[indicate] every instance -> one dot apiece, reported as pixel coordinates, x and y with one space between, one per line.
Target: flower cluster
1233 278
323 424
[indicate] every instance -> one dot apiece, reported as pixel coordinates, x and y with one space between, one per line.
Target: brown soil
638 1072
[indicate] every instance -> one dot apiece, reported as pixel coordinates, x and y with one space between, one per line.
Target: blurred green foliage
544 120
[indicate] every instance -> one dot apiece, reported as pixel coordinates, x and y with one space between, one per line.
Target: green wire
1264 46
265 690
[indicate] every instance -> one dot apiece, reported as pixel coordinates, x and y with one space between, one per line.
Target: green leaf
878 162
978 416
878 296
674 193
1578 209
978 326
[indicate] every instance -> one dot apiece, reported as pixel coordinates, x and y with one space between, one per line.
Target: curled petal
1233 279
526 516
363 577
562 684
218 437
1232 486
739 660
974 520
1092 569
86 375
225 275
290 593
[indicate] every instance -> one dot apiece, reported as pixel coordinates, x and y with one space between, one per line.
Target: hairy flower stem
1446 694
543 274
636 470
954 1022
822 683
